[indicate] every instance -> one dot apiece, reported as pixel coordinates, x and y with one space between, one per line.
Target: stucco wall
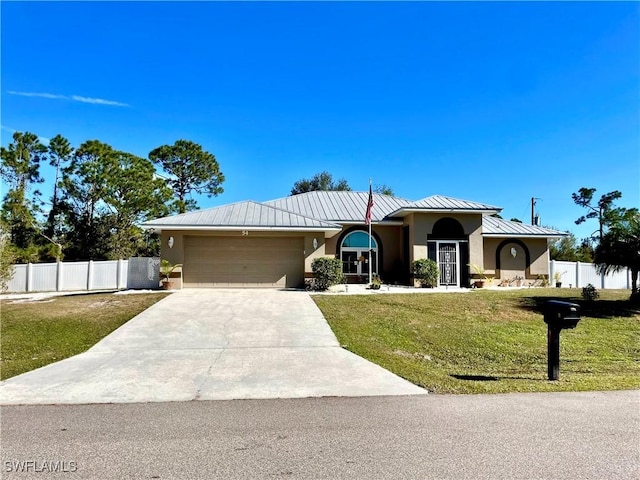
421 225
511 267
311 253
482 250
174 254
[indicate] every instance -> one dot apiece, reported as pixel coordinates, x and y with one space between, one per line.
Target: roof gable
441 202
325 210
340 206
498 227
248 214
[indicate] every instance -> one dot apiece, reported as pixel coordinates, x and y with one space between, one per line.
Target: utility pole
534 217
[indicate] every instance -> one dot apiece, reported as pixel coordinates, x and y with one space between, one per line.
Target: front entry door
356 261
448 263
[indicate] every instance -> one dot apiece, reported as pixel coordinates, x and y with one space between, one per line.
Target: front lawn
37 333
490 341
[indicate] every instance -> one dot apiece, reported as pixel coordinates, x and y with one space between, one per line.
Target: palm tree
620 248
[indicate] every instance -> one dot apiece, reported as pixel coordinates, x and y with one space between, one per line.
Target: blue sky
487 101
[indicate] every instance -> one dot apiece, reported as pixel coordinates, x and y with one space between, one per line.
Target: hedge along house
272 244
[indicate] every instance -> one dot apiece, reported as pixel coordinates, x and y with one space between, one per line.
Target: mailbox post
558 316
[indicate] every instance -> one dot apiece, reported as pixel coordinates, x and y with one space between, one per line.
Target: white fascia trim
522 235
382 223
234 228
406 211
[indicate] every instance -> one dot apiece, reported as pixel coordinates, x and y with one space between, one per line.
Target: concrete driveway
211 345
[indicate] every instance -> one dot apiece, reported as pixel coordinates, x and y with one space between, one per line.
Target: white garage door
243 261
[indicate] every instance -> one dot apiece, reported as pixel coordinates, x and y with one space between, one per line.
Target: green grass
490 341
34 334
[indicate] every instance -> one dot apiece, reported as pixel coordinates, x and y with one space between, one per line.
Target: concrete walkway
211 345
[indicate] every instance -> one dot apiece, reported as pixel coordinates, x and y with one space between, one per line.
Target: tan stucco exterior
394 264
421 226
512 267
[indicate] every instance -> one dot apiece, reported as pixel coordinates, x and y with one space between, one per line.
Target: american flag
367 218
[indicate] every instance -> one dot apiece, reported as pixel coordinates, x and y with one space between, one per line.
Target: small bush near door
326 272
426 272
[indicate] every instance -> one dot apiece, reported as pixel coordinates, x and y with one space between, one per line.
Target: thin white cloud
42 95
75 98
98 101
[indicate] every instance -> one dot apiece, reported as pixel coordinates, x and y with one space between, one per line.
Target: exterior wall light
170 242
514 252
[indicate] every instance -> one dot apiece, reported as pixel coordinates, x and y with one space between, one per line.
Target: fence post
602 277
29 276
552 271
578 275
119 274
58 276
90 275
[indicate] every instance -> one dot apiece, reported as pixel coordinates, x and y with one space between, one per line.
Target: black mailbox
561 315
558 315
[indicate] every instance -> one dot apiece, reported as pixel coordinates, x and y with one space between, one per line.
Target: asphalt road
590 435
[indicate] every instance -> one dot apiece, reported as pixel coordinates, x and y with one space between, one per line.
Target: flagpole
370 249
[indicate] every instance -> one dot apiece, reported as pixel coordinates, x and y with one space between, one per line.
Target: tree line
323 181
614 245
100 196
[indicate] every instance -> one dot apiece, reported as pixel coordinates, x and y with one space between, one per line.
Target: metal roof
324 210
497 227
340 206
248 214
440 202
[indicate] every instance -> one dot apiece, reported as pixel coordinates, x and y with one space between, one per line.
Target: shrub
166 269
426 272
542 280
590 293
327 271
7 259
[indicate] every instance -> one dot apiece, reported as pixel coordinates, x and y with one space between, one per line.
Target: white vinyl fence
135 273
578 275
143 273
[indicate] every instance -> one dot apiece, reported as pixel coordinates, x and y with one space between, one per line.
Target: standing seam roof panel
339 210
323 211
340 205
308 207
497 226
442 202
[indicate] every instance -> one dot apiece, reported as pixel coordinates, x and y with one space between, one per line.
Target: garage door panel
248 262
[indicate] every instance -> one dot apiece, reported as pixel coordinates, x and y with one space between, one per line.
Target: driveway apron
206 344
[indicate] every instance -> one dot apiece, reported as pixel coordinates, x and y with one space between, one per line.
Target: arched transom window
354 253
